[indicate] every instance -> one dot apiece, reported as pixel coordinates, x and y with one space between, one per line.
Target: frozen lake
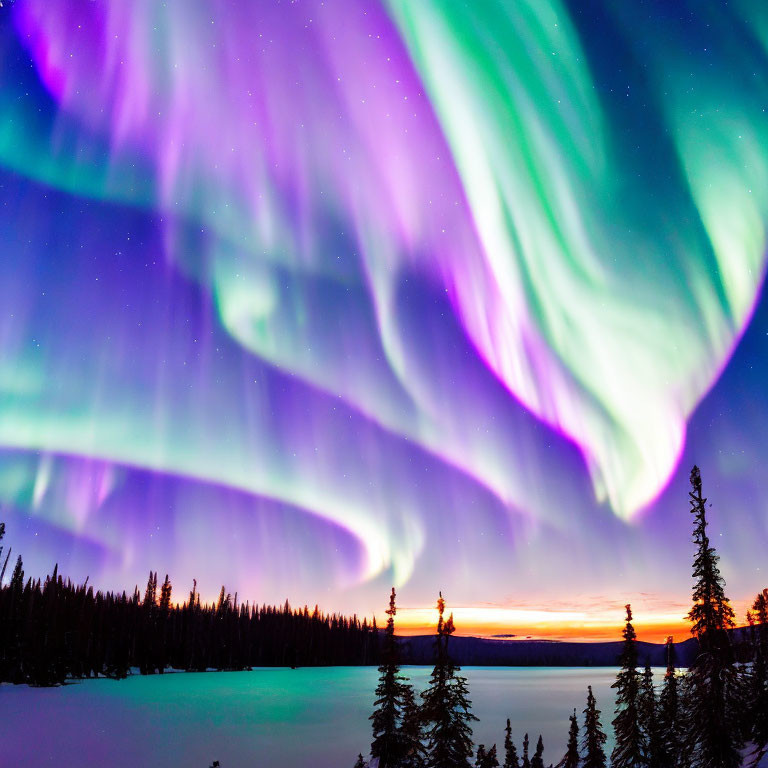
268 717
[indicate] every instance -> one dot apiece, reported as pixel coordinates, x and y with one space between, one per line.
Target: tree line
713 715
54 630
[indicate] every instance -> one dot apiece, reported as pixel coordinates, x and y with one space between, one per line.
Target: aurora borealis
313 297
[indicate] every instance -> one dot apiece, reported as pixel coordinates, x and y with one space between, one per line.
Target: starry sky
312 298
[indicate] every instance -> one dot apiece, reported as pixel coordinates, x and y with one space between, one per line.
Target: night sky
312 298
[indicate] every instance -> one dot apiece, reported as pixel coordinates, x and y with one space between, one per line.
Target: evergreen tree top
526 763
628 658
394 736
760 607
538 757
629 749
486 759
446 707
571 757
511 759
711 614
392 610
593 743
17 578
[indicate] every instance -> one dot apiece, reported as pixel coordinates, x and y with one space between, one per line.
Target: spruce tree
511 759
714 685
446 706
593 743
487 759
711 615
17 578
150 594
571 757
13 626
5 564
629 751
390 744
359 763
412 730
161 639
526 762
759 615
758 707
669 713
758 687
649 721
2 571
165 595
538 756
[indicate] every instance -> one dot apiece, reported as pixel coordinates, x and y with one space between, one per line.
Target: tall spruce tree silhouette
511 759
17 577
7 557
14 626
446 706
165 595
629 751
714 685
146 635
571 757
412 728
162 639
758 688
711 615
526 761
538 755
391 744
759 612
649 721
593 743
669 713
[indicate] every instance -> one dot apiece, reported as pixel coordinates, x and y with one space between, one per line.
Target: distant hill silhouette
494 652
480 651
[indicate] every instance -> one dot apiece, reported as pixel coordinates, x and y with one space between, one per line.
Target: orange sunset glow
590 620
